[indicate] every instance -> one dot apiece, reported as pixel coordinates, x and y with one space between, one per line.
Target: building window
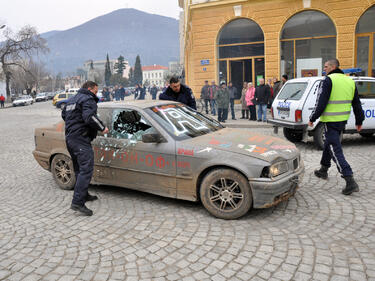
240 45
305 45
365 43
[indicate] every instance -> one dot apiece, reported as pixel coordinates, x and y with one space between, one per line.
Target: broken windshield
182 122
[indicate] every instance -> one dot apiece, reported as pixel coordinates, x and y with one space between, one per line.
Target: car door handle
362 103
310 108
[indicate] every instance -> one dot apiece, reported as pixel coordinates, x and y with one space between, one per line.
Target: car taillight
272 112
298 115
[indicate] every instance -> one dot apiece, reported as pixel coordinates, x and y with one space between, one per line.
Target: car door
366 91
134 164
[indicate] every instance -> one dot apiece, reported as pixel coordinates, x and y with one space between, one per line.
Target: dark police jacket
79 114
184 96
324 94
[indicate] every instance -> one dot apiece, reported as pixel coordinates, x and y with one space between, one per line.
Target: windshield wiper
292 95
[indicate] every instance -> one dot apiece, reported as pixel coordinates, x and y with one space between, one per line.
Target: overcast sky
47 15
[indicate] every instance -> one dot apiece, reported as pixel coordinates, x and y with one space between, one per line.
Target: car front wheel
226 194
63 172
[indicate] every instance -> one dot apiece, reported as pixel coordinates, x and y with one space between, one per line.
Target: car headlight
279 168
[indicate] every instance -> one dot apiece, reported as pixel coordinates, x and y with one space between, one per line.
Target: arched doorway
365 43
308 39
240 52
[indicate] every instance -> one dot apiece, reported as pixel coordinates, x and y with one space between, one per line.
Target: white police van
296 100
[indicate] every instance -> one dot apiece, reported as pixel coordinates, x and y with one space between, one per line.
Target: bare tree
28 76
18 48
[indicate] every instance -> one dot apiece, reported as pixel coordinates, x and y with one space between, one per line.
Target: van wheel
293 135
366 135
226 194
63 172
319 136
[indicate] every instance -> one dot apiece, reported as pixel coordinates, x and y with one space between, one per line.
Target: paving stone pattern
317 235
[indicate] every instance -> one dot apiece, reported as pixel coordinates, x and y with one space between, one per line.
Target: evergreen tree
138 77
107 72
131 76
120 65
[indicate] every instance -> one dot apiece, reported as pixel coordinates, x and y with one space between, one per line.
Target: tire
293 135
319 137
63 171
366 135
217 198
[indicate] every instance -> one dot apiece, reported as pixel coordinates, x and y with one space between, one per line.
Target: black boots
322 172
90 197
351 186
82 209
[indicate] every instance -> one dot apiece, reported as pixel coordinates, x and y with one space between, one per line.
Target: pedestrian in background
336 96
122 92
2 101
270 85
262 95
205 95
142 92
213 89
154 91
81 127
117 93
276 87
244 107
177 91
232 95
222 98
250 101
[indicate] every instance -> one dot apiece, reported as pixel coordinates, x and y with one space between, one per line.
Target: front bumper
268 193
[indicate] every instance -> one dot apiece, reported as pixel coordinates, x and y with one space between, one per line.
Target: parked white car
23 100
296 100
41 97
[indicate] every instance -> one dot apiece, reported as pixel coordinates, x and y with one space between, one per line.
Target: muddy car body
168 149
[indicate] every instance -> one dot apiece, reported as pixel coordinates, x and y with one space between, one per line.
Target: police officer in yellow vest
337 94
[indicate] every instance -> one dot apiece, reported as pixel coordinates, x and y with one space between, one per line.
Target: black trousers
83 162
253 112
333 150
222 114
206 103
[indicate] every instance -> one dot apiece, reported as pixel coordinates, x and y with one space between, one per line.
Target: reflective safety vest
340 102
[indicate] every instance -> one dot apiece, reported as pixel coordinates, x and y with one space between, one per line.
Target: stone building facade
244 40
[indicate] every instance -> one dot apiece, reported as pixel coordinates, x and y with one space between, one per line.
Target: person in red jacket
2 100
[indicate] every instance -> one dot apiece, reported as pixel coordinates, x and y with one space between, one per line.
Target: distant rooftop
154 67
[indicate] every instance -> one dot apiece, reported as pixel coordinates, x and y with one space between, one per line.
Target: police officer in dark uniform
337 94
81 127
179 92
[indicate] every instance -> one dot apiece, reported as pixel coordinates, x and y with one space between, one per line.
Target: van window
366 89
292 91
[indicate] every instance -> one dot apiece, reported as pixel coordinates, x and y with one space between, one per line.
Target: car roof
142 104
316 78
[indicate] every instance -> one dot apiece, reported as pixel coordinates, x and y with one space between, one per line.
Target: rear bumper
270 193
279 123
43 159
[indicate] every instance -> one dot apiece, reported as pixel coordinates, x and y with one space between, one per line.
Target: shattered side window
129 124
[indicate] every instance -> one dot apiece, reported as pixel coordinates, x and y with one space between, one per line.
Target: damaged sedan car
169 149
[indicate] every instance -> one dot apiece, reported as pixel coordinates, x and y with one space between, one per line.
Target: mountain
126 32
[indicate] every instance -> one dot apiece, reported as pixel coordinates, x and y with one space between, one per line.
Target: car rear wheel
293 135
319 136
226 194
63 171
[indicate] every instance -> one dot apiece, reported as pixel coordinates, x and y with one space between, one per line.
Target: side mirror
152 138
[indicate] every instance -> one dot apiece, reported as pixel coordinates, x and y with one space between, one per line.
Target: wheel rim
63 171
226 195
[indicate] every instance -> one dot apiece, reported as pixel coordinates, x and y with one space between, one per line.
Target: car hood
264 147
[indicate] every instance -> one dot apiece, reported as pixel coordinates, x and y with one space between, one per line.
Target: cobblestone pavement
317 235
